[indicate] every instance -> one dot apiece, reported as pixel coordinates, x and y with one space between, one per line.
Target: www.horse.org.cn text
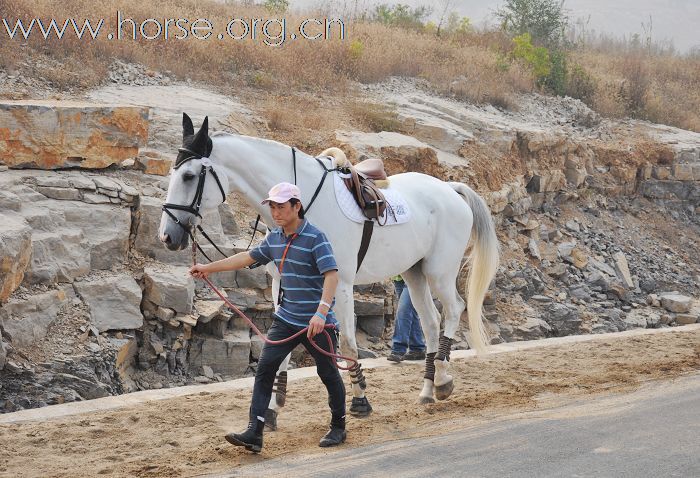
272 31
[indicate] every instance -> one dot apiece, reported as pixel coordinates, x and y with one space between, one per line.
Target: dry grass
474 67
663 89
371 52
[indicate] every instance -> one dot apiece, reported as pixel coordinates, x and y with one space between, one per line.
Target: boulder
170 287
15 253
372 324
623 270
532 329
28 319
564 320
677 303
57 134
152 162
547 181
368 305
686 319
114 302
228 356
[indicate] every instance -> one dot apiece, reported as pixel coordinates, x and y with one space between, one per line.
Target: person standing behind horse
408 342
304 257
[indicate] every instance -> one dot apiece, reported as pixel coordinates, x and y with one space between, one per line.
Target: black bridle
193 208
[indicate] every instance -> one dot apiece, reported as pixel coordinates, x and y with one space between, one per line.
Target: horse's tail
484 260
340 159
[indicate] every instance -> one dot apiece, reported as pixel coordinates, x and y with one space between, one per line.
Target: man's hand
316 325
200 271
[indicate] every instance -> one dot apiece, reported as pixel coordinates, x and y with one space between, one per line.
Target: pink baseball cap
282 192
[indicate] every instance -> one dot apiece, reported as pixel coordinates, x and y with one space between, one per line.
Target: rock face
15 253
54 135
114 302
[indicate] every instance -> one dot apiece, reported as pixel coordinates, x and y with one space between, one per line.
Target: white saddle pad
398 214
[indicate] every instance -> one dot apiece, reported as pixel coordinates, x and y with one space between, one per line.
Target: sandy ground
184 436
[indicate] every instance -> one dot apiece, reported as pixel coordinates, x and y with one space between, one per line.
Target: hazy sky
677 20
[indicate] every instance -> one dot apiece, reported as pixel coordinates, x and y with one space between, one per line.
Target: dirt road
183 436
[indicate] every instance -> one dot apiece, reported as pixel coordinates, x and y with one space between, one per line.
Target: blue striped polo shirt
308 258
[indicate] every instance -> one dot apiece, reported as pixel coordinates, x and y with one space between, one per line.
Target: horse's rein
231 306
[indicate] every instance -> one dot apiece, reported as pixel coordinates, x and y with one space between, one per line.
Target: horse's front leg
279 392
345 312
279 396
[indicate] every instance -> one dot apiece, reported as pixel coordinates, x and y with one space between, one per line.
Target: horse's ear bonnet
195 146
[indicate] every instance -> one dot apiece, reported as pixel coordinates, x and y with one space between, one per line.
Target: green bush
537 58
401 15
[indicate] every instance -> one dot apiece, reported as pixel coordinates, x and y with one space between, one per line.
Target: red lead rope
230 305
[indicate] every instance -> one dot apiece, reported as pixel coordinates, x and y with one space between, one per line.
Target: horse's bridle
193 208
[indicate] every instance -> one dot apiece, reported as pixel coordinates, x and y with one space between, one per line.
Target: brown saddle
363 188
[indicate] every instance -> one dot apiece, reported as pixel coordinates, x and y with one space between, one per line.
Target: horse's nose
165 238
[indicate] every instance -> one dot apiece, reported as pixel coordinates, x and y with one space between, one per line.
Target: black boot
251 439
336 435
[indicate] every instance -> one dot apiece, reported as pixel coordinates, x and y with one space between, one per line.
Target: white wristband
325 303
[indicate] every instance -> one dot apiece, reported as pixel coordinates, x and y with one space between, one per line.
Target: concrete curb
136 398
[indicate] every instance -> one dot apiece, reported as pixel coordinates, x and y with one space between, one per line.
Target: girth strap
367 230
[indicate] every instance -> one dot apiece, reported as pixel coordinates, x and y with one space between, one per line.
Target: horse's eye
187 176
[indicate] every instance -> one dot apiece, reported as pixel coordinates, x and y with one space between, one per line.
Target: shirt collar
298 232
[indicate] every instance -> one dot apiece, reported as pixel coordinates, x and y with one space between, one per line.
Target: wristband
325 303
319 314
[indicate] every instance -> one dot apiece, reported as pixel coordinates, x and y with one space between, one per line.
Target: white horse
427 250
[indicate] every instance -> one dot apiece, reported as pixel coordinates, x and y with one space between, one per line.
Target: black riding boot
251 439
336 435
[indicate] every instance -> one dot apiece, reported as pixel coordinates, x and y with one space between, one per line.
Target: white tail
484 260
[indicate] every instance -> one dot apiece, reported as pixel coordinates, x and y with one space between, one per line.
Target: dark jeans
273 355
407 329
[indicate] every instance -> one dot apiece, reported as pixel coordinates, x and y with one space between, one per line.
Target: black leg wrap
271 419
360 407
280 389
430 366
444 349
357 377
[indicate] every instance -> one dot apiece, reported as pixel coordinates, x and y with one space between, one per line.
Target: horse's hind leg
279 395
443 282
279 392
430 322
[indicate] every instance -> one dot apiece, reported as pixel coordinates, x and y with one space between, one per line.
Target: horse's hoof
271 419
425 400
445 390
360 407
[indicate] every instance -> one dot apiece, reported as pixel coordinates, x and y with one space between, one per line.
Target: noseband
193 208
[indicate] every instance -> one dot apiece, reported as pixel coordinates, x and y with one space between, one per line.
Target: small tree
544 20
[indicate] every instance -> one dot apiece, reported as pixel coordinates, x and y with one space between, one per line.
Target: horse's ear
187 126
204 130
